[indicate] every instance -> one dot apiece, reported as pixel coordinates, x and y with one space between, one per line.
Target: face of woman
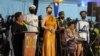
20 18
49 11
72 26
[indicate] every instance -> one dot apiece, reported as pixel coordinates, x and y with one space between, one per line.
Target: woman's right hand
52 30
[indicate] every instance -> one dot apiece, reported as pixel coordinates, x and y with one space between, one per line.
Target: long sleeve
68 35
32 21
88 36
37 21
14 29
77 26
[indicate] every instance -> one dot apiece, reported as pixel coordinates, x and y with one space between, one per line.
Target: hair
70 23
32 11
48 7
61 13
17 14
82 12
0 16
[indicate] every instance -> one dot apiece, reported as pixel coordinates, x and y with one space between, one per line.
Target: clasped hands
51 30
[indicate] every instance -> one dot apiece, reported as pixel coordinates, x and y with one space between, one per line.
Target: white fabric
33 22
85 35
32 6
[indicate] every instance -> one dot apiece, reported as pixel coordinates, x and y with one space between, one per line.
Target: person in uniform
61 26
31 21
83 30
95 40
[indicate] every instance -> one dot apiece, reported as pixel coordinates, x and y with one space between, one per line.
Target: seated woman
69 38
17 29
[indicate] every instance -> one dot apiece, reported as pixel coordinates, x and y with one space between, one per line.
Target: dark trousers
58 37
4 46
86 49
18 45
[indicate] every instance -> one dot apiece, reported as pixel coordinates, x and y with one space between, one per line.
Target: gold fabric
49 37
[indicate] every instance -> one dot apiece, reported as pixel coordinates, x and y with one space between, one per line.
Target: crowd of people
59 37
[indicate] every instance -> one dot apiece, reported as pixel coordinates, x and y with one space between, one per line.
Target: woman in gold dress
50 25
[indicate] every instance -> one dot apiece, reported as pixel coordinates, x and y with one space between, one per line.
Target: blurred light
83 3
59 1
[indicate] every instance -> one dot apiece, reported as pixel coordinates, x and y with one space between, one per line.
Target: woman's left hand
52 30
